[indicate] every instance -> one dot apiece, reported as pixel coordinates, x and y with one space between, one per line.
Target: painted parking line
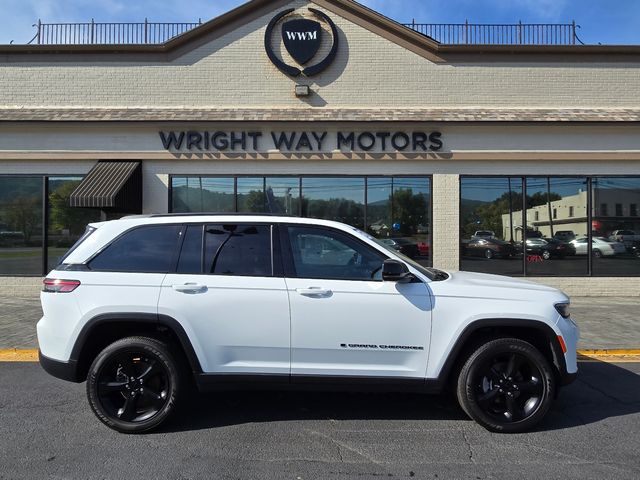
593 355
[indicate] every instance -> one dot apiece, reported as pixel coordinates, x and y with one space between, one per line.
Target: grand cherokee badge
302 39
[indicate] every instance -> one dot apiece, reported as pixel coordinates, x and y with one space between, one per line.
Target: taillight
55 285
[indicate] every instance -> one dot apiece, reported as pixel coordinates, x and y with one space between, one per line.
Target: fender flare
470 329
137 317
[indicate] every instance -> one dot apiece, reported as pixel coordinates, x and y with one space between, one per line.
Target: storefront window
334 198
556 217
251 195
616 238
21 225
66 224
282 195
491 225
203 194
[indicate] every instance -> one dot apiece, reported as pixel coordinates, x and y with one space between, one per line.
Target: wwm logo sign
302 35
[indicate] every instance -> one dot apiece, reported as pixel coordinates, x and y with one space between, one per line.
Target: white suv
142 306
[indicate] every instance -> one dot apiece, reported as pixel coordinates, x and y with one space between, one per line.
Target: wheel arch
104 329
536 332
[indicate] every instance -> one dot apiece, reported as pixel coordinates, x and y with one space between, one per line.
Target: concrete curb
594 355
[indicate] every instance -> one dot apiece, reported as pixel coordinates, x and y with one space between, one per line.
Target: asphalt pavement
48 431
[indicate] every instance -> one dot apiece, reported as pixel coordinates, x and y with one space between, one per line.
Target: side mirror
395 271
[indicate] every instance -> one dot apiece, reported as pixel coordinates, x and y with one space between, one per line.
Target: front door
345 321
231 299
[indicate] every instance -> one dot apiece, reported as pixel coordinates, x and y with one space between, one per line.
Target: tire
597 253
546 254
133 384
488 254
506 385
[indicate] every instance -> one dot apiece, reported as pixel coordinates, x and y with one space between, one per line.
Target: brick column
446 221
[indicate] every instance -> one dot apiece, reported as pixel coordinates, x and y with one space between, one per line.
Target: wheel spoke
128 411
529 386
109 387
513 411
152 368
495 375
158 400
488 397
515 361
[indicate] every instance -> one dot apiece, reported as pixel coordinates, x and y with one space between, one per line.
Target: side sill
223 381
63 370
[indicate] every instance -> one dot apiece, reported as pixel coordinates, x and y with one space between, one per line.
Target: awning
111 185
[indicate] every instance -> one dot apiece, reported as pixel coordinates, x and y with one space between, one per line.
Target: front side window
149 249
238 249
329 254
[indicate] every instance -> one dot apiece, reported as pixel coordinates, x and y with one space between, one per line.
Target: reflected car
404 246
484 234
423 248
489 248
538 246
558 248
600 247
564 235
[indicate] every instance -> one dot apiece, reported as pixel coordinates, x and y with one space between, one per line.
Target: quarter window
238 249
328 254
149 249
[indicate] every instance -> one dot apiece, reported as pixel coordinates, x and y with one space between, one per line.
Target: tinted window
146 249
323 253
238 249
191 254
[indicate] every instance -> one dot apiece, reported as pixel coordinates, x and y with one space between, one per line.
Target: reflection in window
202 194
616 246
251 195
66 223
491 226
238 250
20 225
282 195
339 198
549 249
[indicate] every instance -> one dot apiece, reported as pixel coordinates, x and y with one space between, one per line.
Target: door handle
189 288
314 292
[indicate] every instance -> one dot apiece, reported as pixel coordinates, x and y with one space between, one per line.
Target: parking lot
48 431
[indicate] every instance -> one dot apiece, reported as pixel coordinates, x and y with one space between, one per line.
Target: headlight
563 309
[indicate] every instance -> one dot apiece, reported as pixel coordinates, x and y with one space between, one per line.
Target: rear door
229 294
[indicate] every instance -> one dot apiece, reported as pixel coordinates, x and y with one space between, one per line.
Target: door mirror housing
396 271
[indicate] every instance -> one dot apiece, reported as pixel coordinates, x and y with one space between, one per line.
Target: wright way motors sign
304 141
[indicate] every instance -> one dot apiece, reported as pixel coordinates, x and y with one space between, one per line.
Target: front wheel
597 253
133 384
506 385
488 254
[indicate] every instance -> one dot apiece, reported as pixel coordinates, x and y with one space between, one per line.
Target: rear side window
238 249
87 233
149 249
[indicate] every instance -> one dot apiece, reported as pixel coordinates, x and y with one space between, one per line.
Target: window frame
287 251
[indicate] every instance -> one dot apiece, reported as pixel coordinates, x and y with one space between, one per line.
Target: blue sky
602 21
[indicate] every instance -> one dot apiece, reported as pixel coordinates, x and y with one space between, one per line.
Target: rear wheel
546 254
597 253
133 384
506 385
488 253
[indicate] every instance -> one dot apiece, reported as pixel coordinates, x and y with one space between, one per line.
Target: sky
610 22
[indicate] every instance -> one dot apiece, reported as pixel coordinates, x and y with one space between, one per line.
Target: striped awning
111 185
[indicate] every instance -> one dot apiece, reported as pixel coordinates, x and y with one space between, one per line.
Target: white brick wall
233 71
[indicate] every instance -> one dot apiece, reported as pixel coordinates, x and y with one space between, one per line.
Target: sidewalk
605 322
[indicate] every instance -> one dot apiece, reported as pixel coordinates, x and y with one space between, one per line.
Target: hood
483 285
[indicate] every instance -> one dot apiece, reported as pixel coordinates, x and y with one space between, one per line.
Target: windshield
431 273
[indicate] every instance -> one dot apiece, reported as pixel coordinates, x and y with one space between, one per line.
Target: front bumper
63 370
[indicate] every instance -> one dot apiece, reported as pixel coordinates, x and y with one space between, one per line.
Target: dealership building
327 109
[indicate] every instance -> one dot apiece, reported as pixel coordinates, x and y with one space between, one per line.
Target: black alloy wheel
546 254
597 253
132 384
506 385
488 254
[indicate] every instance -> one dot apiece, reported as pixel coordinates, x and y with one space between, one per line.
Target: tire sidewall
466 386
149 347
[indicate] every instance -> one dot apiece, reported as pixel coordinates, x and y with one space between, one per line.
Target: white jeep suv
142 306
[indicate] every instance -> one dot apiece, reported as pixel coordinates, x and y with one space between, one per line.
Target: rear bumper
63 370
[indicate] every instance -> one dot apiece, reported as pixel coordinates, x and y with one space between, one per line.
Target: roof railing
500 33
96 33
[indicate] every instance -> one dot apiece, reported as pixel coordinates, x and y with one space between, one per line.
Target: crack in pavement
468 444
345 446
